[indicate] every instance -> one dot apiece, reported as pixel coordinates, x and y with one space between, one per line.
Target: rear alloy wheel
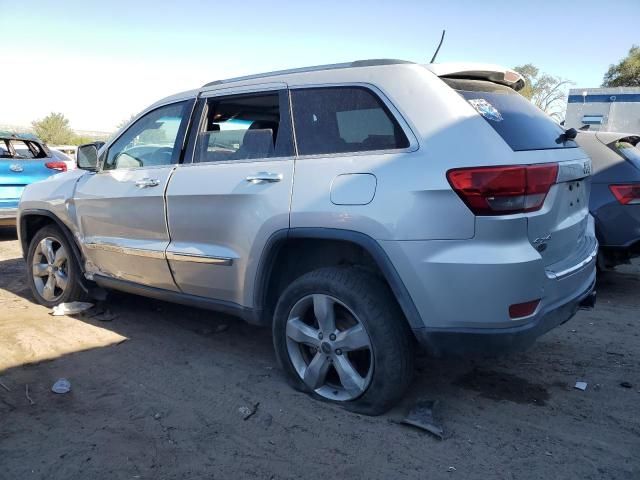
52 270
329 347
340 336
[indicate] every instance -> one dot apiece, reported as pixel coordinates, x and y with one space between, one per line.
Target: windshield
520 123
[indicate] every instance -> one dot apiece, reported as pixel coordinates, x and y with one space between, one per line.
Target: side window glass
343 119
151 141
22 149
244 127
4 149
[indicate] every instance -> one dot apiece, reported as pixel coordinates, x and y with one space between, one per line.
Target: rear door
223 206
121 208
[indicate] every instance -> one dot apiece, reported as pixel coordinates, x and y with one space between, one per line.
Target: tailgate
558 230
18 173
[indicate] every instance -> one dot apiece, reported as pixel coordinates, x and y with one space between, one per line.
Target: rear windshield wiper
567 136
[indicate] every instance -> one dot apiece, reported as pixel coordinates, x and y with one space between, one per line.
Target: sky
100 62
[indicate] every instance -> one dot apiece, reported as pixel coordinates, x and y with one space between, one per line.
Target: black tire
370 299
73 291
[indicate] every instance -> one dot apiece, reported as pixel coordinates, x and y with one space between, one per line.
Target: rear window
343 119
520 123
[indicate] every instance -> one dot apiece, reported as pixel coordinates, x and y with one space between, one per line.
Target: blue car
615 194
23 160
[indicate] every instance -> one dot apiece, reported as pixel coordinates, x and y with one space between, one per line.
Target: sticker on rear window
485 109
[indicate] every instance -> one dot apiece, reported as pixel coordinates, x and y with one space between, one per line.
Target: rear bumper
618 225
492 341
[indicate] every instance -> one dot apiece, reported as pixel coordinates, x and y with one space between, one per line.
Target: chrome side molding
195 258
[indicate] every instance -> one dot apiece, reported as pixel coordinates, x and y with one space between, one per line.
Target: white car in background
65 153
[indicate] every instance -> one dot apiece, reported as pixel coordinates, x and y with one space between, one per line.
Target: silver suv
358 209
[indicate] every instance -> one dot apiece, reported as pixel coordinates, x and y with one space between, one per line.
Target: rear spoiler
479 71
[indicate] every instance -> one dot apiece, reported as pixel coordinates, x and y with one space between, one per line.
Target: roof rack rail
317 68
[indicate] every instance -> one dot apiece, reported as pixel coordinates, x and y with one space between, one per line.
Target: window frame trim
227 91
189 113
395 113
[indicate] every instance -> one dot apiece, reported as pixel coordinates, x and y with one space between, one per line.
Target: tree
54 129
626 73
125 122
545 91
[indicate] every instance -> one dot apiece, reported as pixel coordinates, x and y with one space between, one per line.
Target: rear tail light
503 190
59 166
520 310
626 194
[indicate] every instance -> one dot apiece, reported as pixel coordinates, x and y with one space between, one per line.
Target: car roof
317 74
316 68
19 136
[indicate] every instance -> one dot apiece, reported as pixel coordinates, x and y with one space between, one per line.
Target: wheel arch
278 246
33 220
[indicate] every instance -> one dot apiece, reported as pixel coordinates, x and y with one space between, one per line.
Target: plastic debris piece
581 386
61 386
106 316
248 412
71 308
626 385
421 416
26 394
451 469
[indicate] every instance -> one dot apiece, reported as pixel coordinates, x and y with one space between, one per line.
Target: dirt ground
157 393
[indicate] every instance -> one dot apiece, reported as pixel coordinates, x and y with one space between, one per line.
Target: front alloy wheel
50 265
52 270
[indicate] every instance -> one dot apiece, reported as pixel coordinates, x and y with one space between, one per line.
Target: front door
121 208
224 205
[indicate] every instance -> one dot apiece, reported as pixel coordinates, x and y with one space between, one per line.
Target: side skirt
249 315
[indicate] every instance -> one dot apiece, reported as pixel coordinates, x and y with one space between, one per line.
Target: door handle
264 177
147 182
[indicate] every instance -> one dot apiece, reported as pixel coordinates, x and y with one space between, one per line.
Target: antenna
433 59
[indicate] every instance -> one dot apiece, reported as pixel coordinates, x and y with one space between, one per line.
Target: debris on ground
451 469
71 308
157 416
61 386
26 394
223 327
104 315
5 387
248 412
626 385
421 416
581 386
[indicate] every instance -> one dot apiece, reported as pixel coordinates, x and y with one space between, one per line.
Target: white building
606 109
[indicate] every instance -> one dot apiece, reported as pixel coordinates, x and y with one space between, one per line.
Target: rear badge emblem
16 168
485 109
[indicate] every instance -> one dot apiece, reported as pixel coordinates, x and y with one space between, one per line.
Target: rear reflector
59 166
503 190
626 194
520 310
